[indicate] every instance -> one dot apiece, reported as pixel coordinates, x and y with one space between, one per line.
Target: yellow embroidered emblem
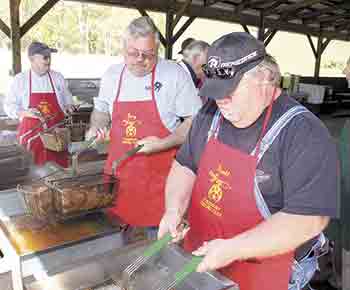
216 190
44 108
130 129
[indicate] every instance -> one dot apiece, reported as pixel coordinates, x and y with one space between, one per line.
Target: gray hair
270 67
140 27
195 48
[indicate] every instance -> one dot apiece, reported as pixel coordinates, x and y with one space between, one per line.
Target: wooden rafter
293 7
161 37
37 16
5 29
270 10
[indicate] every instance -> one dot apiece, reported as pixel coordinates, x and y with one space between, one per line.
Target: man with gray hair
194 56
150 102
256 176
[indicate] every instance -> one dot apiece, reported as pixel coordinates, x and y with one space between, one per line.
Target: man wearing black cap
185 44
256 177
38 95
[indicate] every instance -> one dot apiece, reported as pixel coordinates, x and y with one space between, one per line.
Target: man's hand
152 144
217 254
101 134
170 223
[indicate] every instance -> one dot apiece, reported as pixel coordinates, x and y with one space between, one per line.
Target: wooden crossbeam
181 12
161 37
5 29
37 16
312 45
246 29
325 44
270 37
182 29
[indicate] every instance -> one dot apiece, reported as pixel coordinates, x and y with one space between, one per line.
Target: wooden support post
180 13
169 34
318 59
15 36
261 30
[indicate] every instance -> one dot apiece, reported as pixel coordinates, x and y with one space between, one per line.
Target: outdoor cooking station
33 253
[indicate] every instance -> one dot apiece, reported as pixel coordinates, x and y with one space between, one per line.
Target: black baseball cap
185 43
229 57
37 47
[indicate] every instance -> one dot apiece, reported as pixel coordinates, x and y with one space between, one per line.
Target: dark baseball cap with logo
37 47
229 57
186 43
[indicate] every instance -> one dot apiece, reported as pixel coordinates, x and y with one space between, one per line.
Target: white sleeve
64 94
188 102
13 100
102 103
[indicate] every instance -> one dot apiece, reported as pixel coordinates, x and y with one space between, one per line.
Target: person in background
346 72
145 97
185 43
257 176
39 95
194 56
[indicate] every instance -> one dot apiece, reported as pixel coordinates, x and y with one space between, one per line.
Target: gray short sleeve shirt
175 95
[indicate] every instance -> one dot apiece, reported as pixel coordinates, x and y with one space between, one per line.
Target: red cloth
223 205
140 198
48 105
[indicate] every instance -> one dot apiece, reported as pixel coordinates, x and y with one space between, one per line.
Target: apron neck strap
264 126
30 82
218 119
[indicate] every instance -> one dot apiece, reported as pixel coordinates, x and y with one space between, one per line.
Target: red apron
223 205
47 104
140 199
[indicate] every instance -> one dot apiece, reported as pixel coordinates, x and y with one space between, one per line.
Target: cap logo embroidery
213 62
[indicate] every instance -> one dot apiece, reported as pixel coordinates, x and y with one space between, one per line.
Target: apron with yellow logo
140 197
48 105
223 205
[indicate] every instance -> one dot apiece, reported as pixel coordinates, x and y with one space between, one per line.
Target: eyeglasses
139 53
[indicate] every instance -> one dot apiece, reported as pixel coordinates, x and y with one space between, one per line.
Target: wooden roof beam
270 10
295 6
215 13
181 12
326 19
37 16
5 29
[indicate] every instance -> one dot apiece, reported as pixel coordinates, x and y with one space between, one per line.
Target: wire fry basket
75 196
39 200
56 139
